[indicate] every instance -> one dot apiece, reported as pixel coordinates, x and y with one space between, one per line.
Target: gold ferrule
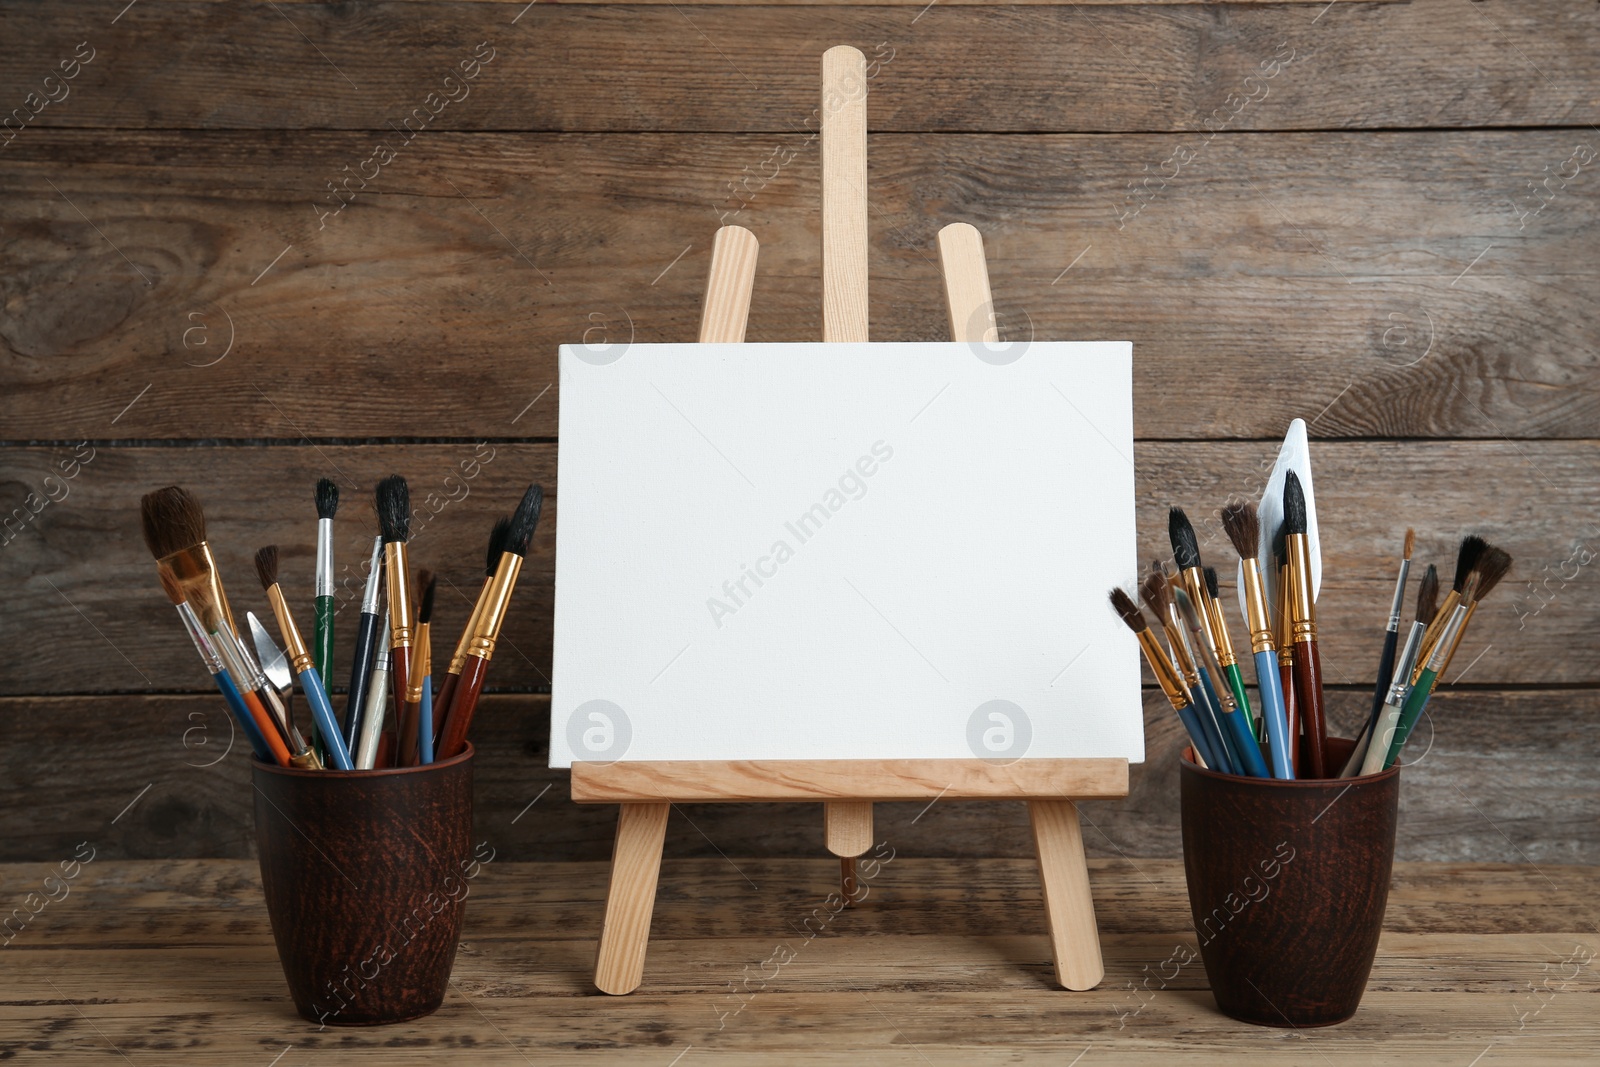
1302 613
1194 583
419 668
1160 666
458 658
307 761
395 573
1179 646
1219 631
195 569
1285 631
1255 608
497 602
1430 636
294 646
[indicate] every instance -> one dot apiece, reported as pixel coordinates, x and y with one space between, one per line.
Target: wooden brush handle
1308 686
406 755
1291 714
400 672
441 707
464 703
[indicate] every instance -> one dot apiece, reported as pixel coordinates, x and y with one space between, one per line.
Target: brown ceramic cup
1288 881
365 874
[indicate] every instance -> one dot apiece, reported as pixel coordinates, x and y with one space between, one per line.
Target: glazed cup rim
1186 761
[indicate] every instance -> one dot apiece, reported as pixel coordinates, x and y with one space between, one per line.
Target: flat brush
425 668
300 659
362 658
1166 674
1243 527
1431 668
1303 621
394 524
1157 594
486 627
410 710
327 501
175 532
1492 566
1244 751
218 670
1467 556
1374 748
458 659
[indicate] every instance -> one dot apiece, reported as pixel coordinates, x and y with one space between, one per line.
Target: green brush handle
322 653
1411 713
1236 683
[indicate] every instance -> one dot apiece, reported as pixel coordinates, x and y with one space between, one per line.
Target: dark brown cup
1288 881
365 874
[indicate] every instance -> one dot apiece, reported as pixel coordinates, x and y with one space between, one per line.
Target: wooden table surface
946 962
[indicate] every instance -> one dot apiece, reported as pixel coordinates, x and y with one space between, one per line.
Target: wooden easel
847 788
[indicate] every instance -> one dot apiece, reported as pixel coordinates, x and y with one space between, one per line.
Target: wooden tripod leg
1068 905
631 897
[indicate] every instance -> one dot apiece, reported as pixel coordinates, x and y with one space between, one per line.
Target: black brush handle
1380 690
360 676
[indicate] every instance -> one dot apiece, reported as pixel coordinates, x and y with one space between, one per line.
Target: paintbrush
1467 556
406 739
425 669
394 524
264 748
1157 594
1223 640
244 665
1243 749
1243 527
327 499
274 664
300 659
375 701
1372 751
1391 638
367 641
1489 567
1186 554
1285 642
1167 675
458 659
486 627
1303 621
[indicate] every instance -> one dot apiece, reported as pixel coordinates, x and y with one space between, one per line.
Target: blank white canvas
844 551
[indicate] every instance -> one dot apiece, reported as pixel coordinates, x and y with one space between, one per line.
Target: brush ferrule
1447 637
458 658
369 595
1181 656
196 572
1194 583
1219 631
294 646
324 578
306 760
380 656
1397 604
419 666
1161 666
1302 612
1400 682
496 605
202 642
1255 608
1437 624
400 617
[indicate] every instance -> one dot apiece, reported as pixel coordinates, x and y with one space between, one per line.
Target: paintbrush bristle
327 498
427 582
1155 591
525 520
1185 547
1294 505
1428 595
267 565
1243 527
1129 611
1493 565
172 521
1471 551
394 509
497 545
1211 581
1411 542
170 584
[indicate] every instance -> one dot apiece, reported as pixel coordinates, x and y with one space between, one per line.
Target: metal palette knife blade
273 662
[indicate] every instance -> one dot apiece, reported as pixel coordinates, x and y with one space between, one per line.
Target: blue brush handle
1213 730
1270 682
247 722
1235 760
1245 746
366 651
425 723
1197 734
322 714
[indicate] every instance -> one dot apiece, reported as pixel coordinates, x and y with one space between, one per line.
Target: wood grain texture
1501 777
1066 894
729 285
171 962
1346 277
630 897
619 67
87 615
710 781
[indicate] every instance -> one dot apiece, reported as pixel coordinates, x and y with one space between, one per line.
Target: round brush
1243 527
1167 675
300 659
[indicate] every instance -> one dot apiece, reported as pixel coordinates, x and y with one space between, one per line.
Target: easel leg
631 897
847 827
1068 905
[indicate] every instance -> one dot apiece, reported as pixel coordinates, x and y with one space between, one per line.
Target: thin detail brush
1244 751
300 659
1285 641
424 668
1157 594
1243 527
1429 676
367 641
410 711
1391 638
394 524
1378 742
327 501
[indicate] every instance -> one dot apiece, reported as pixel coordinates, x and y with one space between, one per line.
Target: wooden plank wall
235 254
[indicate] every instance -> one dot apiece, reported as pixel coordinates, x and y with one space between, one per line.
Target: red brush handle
1308 693
1291 715
400 673
464 703
441 707
406 739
